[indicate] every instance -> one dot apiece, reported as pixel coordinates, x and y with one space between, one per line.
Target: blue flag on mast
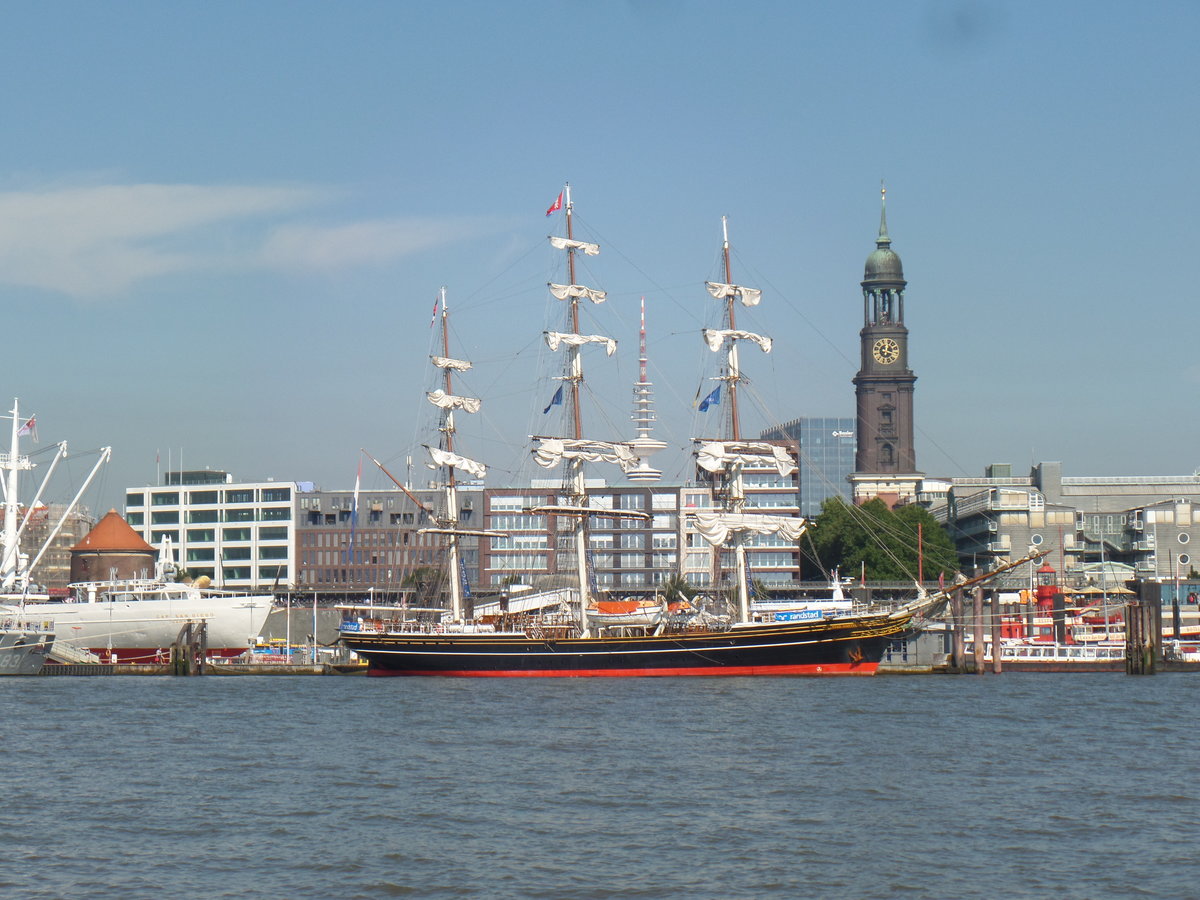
556 400
711 400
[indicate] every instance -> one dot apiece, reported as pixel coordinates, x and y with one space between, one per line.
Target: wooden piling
190 650
958 650
997 619
1143 630
977 633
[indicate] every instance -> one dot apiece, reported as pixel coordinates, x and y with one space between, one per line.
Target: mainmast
574 474
575 450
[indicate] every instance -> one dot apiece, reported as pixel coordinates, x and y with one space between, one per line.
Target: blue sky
223 225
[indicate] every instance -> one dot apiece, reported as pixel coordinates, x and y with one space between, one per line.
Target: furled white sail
717 455
442 400
715 337
445 362
563 291
554 450
717 526
446 458
562 243
554 338
749 296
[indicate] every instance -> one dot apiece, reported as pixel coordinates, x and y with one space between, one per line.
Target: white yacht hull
140 630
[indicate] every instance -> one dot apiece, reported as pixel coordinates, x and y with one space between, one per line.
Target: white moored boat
120 621
136 621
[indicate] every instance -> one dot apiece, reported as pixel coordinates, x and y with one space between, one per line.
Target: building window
157 537
200 554
244 495
135 518
236 573
239 515
203 496
235 553
273 533
276 495
201 516
201 535
169 498
165 517
272 552
236 534
133 500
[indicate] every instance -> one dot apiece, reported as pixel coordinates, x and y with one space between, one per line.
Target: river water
1014 786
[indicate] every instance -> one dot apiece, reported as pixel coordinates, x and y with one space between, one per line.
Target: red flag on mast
556 205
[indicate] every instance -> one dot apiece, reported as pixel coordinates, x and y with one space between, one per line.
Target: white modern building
240 534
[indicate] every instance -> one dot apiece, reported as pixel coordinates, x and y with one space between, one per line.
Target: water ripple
1019 786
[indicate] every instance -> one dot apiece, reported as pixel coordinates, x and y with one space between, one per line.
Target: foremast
446 457
573 452
729 527
13 463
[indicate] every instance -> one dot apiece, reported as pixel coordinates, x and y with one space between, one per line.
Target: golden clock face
886 351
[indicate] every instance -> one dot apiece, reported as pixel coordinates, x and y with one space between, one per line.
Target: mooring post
977 635
997 621
958 650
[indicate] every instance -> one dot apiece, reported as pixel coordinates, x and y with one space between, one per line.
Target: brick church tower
885 463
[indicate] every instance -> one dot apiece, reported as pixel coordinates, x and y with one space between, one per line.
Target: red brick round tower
112 551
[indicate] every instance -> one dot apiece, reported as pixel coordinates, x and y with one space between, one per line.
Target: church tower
885 463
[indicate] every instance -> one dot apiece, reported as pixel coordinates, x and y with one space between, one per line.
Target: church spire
883 240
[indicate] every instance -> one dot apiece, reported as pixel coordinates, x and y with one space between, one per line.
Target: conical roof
113 533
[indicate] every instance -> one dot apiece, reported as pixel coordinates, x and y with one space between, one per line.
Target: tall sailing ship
572 633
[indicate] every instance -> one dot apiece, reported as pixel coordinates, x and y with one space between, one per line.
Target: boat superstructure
24 644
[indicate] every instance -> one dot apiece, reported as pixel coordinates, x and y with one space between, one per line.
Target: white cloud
362 243
100 240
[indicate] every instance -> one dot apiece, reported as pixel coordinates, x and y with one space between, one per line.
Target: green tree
882 540
424 580
676 587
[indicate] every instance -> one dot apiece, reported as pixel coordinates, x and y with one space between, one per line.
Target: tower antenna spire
883 239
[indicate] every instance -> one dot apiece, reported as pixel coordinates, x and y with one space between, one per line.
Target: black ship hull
842 647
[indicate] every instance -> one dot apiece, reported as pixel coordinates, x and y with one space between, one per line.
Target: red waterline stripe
810 669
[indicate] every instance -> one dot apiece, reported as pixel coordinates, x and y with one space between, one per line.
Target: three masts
692 644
